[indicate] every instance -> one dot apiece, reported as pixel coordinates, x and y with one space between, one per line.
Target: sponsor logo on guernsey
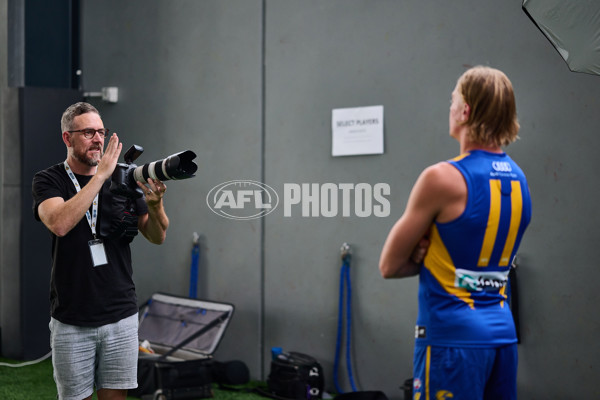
501 166
502 169
420 332
475 281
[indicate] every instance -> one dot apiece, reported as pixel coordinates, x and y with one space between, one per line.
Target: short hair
75 110
490 96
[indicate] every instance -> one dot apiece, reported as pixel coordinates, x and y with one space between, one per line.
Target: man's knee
112 394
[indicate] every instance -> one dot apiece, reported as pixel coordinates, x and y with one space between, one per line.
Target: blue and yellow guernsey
462 284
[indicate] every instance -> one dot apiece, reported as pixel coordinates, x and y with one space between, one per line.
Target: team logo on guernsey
474 281
417 384
443 394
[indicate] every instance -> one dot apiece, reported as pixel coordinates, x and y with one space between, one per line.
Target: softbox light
573 28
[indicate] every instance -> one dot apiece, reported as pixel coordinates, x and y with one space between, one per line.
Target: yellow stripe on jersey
492 225
503 293
427 369
516 201
458 158
440 265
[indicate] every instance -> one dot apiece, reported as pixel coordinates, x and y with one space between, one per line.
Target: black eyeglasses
89 133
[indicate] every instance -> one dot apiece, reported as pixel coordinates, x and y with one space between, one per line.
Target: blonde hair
490 96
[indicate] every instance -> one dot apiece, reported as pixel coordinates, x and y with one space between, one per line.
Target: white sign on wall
357 131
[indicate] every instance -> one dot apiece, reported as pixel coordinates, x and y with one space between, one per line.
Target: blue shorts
465 373
83 357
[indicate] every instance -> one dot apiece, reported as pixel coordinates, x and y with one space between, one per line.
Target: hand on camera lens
154 190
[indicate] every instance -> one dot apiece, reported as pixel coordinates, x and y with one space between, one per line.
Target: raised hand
109 159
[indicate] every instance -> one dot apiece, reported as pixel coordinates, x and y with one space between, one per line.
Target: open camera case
183 333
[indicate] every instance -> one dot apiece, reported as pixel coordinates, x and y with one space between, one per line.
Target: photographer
94 321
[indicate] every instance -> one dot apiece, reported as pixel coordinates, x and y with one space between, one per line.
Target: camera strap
93 217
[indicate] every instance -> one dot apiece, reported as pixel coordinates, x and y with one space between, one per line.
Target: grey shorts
83 357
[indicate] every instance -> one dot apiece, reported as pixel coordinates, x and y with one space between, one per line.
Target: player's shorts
465 373
83 357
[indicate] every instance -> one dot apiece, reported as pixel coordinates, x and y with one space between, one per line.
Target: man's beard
81 157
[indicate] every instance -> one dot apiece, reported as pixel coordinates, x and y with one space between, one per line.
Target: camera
177 166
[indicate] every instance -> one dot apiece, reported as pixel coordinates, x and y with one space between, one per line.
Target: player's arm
407 242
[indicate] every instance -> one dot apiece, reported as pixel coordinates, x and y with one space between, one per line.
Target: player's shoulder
440 172
442 179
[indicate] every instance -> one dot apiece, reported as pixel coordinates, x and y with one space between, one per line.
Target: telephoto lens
176 166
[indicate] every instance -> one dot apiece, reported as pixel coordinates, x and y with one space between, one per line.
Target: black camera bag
184 332
296 376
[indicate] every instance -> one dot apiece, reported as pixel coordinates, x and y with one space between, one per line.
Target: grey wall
10 224
10 198
3 41
191 75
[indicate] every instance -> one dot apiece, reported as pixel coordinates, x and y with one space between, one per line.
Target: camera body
177 166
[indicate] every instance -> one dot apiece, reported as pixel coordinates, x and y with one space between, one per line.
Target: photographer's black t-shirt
81 294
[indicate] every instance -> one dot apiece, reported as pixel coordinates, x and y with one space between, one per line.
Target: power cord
27 362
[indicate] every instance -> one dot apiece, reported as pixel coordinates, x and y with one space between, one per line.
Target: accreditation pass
97 252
